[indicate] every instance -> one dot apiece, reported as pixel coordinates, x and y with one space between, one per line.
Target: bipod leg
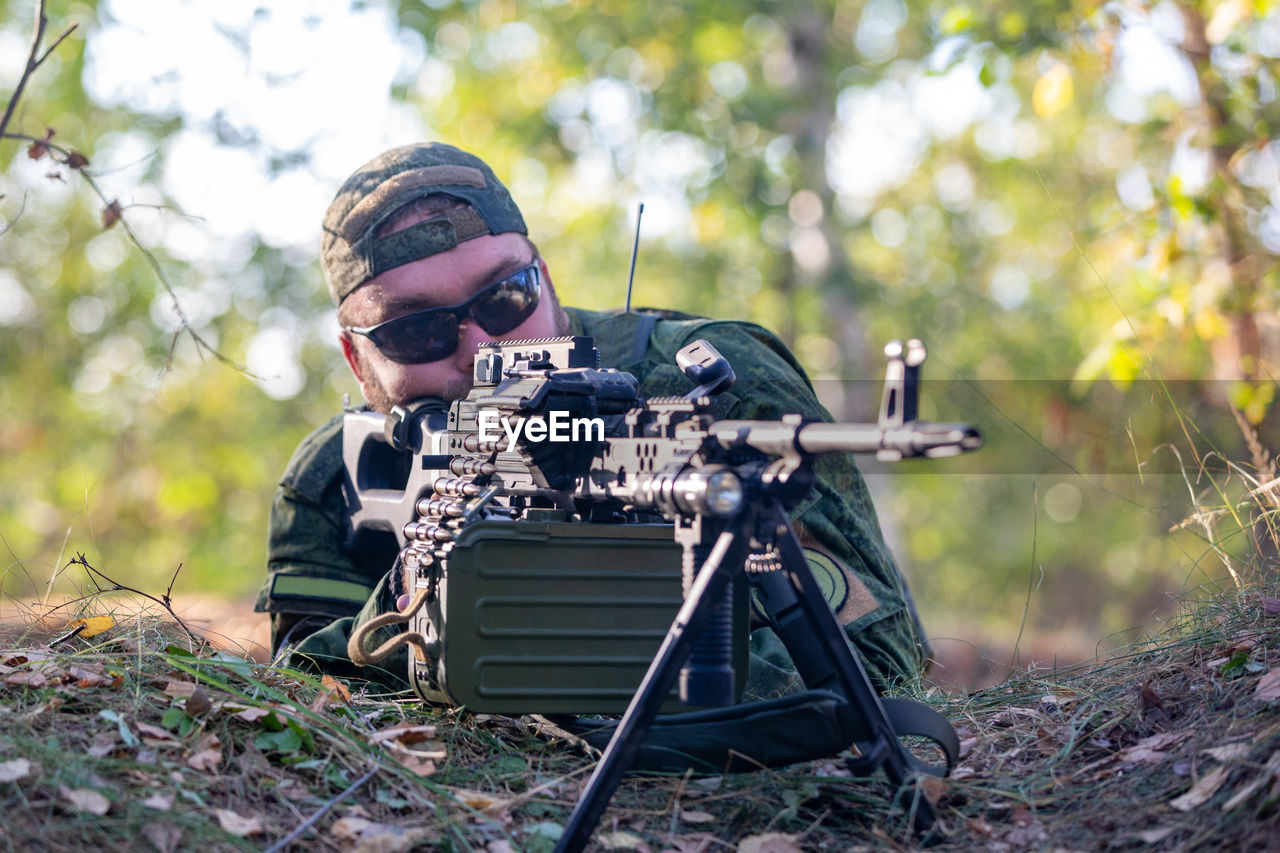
708 590
826 660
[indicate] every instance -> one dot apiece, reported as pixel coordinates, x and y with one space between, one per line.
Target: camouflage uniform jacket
310 572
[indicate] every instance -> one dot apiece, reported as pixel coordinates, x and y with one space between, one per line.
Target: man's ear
349 353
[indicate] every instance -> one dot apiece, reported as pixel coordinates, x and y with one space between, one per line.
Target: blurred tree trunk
809 33
1239 354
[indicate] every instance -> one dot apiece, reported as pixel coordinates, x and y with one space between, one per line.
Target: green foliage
998 179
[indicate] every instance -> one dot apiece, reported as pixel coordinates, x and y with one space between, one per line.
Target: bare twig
68 31
116 586
172 581
36 38
321 812
22 205
34 60
70 158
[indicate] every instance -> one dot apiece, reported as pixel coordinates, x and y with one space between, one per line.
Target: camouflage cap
351 250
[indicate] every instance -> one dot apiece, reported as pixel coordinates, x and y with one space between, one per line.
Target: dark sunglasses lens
508 303
419 338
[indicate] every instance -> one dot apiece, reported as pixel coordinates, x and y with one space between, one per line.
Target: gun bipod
817 644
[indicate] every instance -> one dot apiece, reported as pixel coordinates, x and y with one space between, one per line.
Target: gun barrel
912 439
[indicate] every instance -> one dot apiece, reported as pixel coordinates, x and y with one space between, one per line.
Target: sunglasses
432 334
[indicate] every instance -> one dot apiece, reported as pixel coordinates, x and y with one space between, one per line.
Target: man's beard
381 401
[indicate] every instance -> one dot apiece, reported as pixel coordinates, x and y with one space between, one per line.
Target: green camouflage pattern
838 522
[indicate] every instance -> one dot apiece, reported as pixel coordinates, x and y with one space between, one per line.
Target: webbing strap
772 733
915 719
644 328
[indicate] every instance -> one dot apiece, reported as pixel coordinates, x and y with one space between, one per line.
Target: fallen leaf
252 715
208 753
478 800
12 771
104 744
159 802
415 763
1271 605
85 800
237 824
368 835
34 655
1268 689
27 678
86 676
405 733
153 732
769 842
1155 836
330 689
1201 791
294 791
93 625
978 826
1027 831
695 842
1228 752
933 788
1245 641
621 840
696 816
179 689
165 837
1150 749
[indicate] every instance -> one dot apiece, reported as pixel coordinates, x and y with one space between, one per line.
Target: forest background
1075 204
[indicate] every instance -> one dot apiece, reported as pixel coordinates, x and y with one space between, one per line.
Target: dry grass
128 735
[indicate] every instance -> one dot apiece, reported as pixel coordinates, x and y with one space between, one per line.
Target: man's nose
470 336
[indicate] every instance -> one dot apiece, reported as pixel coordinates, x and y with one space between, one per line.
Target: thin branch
321 812
172 581
32 64
59 40
116 586
66 156
22 206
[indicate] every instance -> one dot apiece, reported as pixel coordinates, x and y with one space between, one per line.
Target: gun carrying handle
356 645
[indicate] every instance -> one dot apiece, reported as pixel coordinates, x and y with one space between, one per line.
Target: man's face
444 279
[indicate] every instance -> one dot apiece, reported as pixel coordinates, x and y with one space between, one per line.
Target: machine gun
549 439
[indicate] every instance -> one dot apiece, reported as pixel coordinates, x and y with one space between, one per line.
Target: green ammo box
558 617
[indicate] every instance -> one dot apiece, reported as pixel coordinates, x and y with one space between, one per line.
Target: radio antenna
635 247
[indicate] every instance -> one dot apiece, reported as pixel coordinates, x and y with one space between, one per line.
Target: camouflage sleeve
326 649
310 576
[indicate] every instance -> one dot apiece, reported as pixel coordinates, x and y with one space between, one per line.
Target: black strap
644 328
914 719
772 733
